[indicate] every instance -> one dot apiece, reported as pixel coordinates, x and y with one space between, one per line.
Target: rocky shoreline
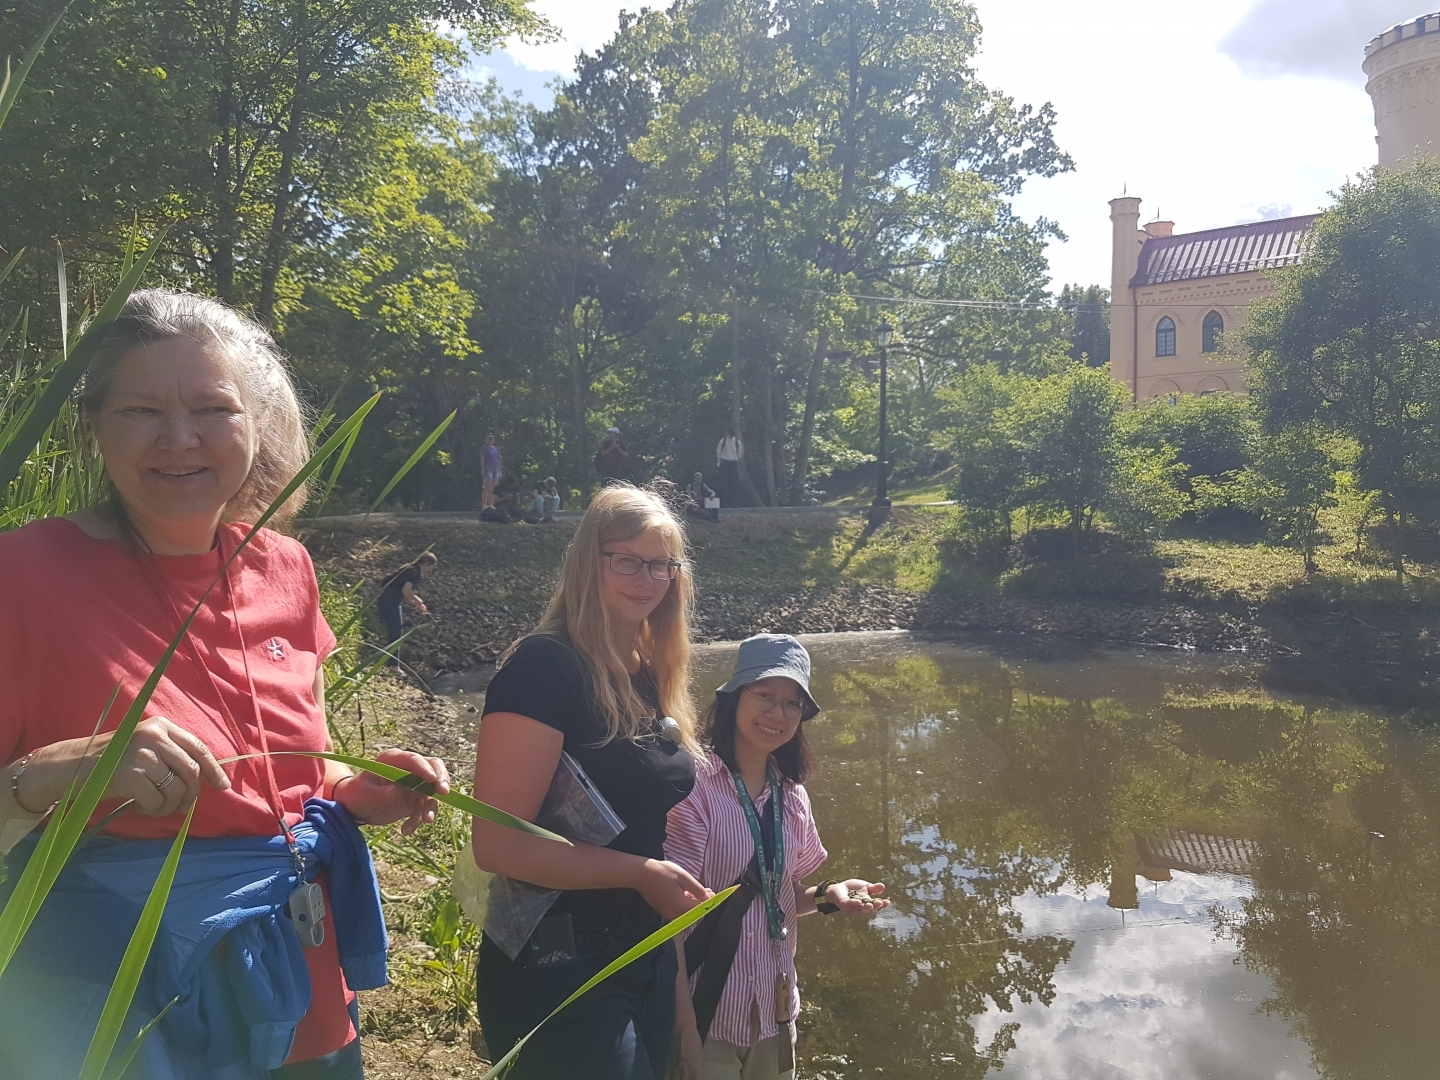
495 581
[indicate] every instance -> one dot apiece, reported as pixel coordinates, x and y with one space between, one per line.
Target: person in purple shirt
490 464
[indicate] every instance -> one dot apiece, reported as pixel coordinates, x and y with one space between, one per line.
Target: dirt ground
782 573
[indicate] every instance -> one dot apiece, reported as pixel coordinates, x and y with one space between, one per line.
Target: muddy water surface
1113 865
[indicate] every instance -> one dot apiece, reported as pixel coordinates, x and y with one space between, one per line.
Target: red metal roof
1261 245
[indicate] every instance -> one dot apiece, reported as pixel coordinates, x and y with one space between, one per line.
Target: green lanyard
771 877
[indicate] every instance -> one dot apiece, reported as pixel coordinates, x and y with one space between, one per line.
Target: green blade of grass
414 458
339 466
122 990
24 899
62 282
473 807
659 937
5 273
43 410
118 1065
11 88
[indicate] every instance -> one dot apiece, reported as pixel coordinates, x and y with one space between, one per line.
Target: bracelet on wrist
823 906
16 771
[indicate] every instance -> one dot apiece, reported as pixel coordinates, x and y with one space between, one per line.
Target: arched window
1210 332
1165 337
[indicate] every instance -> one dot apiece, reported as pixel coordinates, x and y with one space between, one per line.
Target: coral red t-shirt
81 614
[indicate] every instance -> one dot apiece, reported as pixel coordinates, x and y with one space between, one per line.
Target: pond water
1113 865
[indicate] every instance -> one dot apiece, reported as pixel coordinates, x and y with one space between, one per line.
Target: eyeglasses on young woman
630 565
767 701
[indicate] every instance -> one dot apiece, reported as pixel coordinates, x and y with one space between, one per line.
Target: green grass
911 493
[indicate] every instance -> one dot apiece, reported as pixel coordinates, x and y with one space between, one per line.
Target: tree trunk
747 486
807 427
449 436
284 182
580 407
222 260
767 382
1398 549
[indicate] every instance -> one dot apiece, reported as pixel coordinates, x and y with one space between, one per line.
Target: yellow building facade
1173 298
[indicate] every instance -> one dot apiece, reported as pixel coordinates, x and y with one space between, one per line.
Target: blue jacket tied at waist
226 950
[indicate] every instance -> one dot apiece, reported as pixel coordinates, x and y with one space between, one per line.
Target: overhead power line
1004 305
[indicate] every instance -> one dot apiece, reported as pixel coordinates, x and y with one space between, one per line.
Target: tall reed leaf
39 875
659 937
118 1065
62 282
122 990
410 462
473 807
24 899
41 412
5 273
10 90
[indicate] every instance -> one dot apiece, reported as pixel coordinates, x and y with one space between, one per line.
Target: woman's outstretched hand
373 800
669 889
857 896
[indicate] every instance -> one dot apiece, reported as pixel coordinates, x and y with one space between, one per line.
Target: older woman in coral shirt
200 429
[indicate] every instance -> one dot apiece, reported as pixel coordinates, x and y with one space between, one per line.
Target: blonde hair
252 356
578 614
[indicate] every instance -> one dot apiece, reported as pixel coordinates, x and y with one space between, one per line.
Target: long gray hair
250 354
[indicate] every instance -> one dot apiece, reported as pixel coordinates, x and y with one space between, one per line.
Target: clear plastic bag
575 809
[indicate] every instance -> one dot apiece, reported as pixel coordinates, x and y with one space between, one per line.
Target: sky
1152 995
1213 114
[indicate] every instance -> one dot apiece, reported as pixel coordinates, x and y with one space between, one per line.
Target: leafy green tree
1211 434
271 132
980 436
1068 425
1352 337
1146 492
1290 480
1087 309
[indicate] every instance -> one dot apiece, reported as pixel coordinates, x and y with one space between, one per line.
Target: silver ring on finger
165 781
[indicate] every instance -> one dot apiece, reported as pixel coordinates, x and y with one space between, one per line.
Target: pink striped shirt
708 835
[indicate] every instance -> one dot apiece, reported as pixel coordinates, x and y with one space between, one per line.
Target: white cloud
1147 102
1152 997
1311 37
584 25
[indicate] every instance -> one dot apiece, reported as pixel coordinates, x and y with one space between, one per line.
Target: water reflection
1115 866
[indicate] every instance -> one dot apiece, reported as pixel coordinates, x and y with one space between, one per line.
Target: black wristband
823 906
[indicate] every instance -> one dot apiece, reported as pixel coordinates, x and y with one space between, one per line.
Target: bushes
1055 446
1066 447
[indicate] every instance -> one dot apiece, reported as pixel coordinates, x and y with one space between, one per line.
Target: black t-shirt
394 588
641 778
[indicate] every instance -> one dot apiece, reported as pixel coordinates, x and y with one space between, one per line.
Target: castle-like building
1172 296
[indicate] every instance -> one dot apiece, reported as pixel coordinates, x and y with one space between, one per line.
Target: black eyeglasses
630 565
767 701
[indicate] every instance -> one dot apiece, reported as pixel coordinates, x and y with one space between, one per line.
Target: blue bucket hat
766 655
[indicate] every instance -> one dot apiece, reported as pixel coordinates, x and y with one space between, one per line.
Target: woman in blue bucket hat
748 819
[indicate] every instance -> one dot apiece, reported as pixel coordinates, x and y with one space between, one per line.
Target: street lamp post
884 334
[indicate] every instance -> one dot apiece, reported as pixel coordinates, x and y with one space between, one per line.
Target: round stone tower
1403 66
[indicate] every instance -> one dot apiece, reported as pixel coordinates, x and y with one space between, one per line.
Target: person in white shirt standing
728 455
748 818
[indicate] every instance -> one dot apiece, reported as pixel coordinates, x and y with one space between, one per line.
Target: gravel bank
754 574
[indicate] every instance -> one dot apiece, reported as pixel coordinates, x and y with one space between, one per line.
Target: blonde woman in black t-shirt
609 660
